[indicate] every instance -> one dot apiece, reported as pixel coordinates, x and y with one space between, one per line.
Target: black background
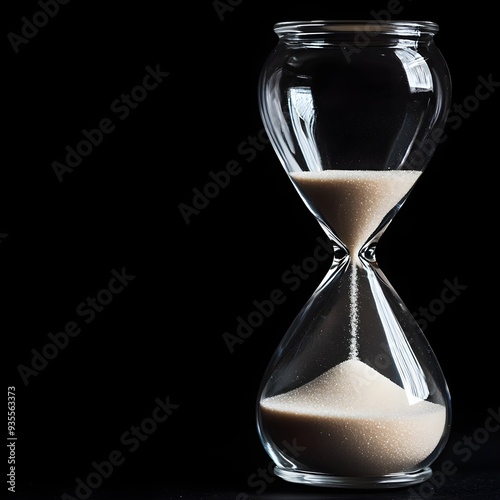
162 336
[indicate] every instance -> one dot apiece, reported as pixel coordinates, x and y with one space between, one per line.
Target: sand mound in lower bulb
353 421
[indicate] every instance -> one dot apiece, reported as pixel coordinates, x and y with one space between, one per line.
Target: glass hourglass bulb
354 382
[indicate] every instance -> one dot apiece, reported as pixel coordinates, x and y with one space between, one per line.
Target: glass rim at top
323 27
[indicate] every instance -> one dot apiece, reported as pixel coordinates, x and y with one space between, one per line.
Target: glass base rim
398 480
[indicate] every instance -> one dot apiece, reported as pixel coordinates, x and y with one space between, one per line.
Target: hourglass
354 395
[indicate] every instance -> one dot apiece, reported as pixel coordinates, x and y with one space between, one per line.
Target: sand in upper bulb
354 202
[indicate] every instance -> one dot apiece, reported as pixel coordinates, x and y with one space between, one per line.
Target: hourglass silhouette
354 395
